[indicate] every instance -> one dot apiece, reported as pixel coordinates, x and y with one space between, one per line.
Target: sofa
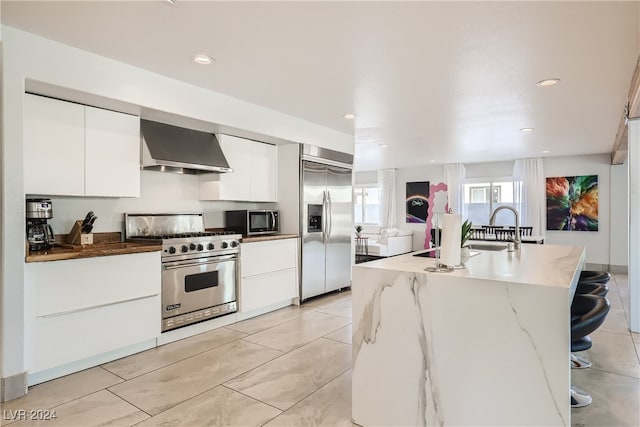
386 242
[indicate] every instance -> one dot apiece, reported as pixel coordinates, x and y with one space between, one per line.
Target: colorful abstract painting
417 201
572 203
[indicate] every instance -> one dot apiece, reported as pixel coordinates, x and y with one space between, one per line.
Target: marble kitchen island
484 345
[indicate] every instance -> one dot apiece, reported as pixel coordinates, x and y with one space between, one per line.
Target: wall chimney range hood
169 148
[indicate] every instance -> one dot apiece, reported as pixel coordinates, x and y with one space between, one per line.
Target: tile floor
289 368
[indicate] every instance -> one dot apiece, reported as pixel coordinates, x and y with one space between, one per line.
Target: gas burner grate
187 235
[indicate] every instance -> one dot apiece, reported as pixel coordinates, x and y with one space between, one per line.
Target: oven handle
170 265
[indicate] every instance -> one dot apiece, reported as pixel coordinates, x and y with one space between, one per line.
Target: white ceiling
435 81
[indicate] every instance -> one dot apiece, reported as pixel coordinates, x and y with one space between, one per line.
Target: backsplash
159 193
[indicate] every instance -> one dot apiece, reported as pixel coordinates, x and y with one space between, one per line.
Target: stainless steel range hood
170 148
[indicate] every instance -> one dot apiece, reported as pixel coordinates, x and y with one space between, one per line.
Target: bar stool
601 290
588 312
586 288
591 276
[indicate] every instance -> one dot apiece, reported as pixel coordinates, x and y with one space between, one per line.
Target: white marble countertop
544 265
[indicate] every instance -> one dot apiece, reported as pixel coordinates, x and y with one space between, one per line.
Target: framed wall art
572 203
417 201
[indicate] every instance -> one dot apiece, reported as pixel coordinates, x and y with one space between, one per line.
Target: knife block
77 237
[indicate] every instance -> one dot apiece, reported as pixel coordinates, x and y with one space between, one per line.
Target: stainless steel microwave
252 222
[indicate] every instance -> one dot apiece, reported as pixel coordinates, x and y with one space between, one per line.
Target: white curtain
387 185
529 185
454 178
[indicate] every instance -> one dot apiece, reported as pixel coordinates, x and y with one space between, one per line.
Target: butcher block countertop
250 239
106 244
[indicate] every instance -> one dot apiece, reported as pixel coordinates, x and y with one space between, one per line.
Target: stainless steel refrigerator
326 221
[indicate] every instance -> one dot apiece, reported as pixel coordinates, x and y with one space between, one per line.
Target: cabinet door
70 337
267 289
264 167
112 154
53 135
265 257
236 185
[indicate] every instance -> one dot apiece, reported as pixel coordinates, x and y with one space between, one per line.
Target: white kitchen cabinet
269 273
76 150
112 153
76 309
254 176
53 133
264 169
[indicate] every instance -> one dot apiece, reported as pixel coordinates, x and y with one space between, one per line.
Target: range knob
234 243
172 250
192 246
184 248
224 245
200 247
210 246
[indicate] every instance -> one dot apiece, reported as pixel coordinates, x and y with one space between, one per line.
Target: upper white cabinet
76 150
112 153
53 146
254 176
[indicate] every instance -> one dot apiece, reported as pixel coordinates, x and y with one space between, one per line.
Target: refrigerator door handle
329 214
324 216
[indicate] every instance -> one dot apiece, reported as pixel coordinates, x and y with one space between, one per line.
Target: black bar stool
590 276
587 288
587 314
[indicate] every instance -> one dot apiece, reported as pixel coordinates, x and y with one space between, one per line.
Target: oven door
192 285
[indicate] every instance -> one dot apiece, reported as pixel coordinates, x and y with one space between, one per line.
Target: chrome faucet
492 221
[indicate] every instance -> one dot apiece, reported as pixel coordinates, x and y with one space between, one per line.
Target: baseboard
90 362
267 309
13 387
622 269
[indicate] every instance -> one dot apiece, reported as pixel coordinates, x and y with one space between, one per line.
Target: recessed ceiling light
548 82
526 129
383 145
545 151
203 59
432 161
349 116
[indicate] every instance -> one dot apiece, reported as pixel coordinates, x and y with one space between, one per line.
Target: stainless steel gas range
199 268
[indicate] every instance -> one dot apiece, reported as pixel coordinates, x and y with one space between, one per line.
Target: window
483 195
366 205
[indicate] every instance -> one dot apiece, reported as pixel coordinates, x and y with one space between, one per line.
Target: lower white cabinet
66 337
268 288
269 273
76 309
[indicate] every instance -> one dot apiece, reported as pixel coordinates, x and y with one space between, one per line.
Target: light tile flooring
290 368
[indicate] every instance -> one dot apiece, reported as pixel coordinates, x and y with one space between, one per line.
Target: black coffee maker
39 233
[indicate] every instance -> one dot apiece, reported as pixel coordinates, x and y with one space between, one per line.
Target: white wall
105 82
619 234
596 242
634 224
